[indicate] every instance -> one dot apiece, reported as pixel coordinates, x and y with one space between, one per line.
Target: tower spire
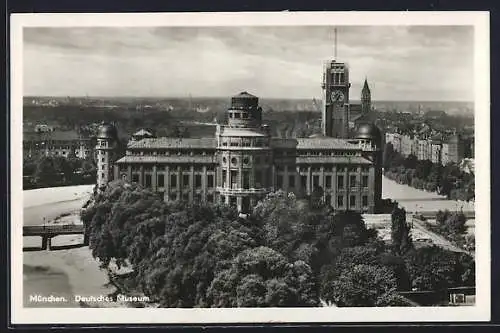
335 45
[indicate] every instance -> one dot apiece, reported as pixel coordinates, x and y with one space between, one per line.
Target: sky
425 63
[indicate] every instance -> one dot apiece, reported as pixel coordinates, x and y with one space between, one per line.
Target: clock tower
335 117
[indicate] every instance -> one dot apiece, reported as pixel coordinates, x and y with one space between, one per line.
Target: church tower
335 115
366 98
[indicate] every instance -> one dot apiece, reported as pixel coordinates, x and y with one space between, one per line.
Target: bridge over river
47 232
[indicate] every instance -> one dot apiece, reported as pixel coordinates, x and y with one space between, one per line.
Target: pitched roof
355 108
284 143
325 143
333 159
142 132
245 94
165 142
235 131
365 85
313 143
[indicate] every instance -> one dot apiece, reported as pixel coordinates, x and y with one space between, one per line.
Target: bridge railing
46 229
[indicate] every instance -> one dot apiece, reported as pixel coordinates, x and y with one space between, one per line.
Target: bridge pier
47 243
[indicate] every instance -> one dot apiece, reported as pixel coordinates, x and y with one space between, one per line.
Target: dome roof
368 131
244 100
245 94
107 131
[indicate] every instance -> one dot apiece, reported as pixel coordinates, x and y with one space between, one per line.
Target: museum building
242 163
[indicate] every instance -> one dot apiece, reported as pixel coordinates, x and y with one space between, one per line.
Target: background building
56 143
436 149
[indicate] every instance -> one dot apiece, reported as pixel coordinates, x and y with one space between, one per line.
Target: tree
433 268
388 156
363 285
262 277
350 228
435 174
400 231
410 162
29 167
455 224
45 173
423 169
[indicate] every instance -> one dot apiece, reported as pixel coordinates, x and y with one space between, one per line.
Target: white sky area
423 63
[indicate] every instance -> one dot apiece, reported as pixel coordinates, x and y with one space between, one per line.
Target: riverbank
50 195
413 199
67 272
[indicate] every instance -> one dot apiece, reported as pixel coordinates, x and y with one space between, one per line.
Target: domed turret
244 100
369 132
244 111
107 131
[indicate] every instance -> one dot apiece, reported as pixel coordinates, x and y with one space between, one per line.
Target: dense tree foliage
447 180
285 253
400 231
364 285
263 277
452 225
47 171
433 268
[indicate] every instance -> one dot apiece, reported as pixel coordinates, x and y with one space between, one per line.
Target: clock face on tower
337 96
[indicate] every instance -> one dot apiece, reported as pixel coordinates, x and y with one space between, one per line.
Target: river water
45 280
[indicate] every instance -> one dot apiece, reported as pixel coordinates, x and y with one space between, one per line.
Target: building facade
56 143
242 163
435 149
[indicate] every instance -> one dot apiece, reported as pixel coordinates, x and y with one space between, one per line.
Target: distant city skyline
414 63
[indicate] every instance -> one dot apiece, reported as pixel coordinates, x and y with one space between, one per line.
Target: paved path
436 239
413 199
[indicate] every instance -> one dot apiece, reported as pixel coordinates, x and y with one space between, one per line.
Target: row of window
327 153
197 197
172 168
246 160
353 181
239 115
244 142
169 153
257 159
328 168
352 201
51 147
174 180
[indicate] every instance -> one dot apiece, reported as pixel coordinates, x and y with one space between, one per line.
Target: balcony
235 190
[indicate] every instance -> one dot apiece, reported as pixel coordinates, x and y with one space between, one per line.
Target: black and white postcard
250 167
